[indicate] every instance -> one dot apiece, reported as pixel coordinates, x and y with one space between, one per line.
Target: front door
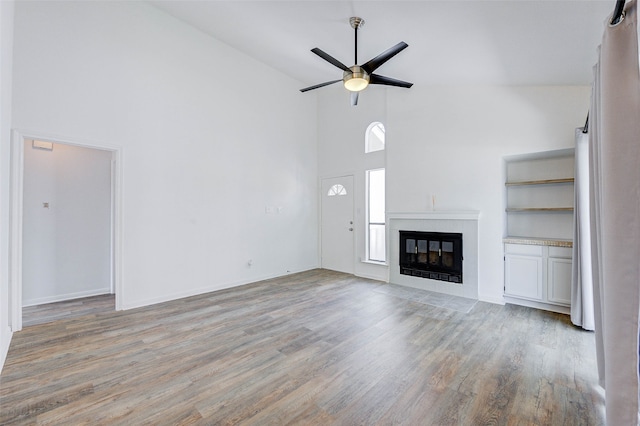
337 224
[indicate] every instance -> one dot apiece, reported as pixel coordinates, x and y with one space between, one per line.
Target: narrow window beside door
376 216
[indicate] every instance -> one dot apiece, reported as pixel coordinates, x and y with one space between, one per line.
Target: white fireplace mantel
459 221
436 215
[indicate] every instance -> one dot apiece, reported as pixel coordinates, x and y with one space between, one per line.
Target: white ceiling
515 42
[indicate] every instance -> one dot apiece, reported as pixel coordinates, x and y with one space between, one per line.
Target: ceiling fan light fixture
356 79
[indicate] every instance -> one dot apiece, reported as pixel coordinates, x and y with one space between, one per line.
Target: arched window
374 137
337 189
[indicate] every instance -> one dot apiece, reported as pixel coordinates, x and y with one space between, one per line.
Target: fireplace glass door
433 255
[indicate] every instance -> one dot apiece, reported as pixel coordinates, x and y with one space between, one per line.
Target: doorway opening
65 226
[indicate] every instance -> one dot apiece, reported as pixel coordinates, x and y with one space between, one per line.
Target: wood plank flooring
49 312
314 348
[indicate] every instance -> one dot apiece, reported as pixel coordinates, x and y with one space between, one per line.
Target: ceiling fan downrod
356 23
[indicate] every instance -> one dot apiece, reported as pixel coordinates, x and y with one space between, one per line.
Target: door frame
352 175
18 138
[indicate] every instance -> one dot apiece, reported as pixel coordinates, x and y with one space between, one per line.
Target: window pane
376 215
377 243
376 196
337 189
374 139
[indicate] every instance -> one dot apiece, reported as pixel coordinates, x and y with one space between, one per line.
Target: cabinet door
559 280
523 276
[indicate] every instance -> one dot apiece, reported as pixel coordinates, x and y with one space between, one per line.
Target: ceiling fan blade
330 59
374 63
354 98
388 81
326 83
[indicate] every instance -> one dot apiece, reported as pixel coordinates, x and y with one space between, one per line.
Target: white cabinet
559 275
538 276
523 271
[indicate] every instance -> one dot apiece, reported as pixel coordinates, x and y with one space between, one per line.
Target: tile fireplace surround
464 222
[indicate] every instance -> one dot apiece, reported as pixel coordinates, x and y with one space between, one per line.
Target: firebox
433 255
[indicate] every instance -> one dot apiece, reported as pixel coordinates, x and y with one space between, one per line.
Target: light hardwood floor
314 348
94 305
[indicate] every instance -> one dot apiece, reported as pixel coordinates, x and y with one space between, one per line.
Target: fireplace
464 222
433 255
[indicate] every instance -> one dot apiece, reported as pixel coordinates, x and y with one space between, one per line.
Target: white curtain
615 215
581 283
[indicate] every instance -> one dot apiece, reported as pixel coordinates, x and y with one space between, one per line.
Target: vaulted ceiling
515 42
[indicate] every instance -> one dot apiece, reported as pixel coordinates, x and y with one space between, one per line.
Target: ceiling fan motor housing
356 79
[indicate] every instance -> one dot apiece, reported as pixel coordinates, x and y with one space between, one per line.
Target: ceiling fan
357 77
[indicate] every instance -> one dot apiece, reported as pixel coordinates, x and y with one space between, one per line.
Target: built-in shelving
538 229
539 195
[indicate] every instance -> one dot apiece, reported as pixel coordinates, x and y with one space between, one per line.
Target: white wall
209 138
448 142
67 245
6 67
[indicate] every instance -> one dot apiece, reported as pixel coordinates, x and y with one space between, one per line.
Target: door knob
350 229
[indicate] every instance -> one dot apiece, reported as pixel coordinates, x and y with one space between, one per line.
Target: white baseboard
539 305
63 297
